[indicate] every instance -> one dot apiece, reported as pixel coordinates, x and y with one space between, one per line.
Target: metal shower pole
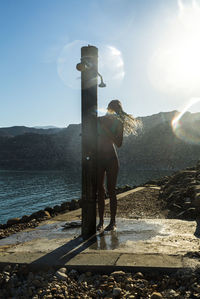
89 80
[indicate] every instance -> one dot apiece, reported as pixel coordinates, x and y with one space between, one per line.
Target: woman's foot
111 227
100 227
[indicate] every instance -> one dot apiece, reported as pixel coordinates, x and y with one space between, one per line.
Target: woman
110 133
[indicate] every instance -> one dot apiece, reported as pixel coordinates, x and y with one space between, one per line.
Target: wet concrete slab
49 231
136 243
150 260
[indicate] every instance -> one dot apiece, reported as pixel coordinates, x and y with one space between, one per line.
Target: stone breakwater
181 194
19 282
14 225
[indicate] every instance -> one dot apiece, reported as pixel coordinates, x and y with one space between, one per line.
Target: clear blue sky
37 35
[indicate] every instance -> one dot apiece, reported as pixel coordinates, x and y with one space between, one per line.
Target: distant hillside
154 120
156 147
34 151
46 127
20 130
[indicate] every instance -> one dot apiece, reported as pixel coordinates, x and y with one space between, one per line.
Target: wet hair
130 124
116 106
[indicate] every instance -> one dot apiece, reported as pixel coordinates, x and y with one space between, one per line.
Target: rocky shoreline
14 225
20 283
181 194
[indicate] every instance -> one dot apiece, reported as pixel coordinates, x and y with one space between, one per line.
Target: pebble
196 287
62 270
116 292
7 268
61 276
139 275
117 273
172 293
156 295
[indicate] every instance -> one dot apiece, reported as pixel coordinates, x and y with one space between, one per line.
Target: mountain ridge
155 147
20 130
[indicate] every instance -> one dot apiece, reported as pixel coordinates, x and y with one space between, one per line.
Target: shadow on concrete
65 253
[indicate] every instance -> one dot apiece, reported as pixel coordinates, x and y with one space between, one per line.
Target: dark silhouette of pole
89 80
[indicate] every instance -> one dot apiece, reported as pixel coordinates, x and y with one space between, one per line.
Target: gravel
141 204
19 282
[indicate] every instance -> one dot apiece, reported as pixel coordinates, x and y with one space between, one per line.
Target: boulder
190 213
190 191
80 202
198 165
49 209
65 206
13 221
25 219
196 188
74 205
57 209
47 215
2 226
40 214
196 201
181 195
193 182
187 202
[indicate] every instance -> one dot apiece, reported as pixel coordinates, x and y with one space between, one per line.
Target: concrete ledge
144 245
160 244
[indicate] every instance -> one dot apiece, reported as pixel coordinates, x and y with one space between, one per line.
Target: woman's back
109 127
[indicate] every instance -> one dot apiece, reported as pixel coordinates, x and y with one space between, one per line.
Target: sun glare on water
175 65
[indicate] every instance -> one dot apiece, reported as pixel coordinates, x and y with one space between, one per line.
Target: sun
175 64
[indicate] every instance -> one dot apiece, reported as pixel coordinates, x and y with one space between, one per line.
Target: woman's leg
112 172
101 195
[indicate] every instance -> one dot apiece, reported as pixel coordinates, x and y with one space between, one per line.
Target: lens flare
67 61
175 64
186 125
101 111
110 64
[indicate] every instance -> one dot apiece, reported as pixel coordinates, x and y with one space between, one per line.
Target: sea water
25 192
